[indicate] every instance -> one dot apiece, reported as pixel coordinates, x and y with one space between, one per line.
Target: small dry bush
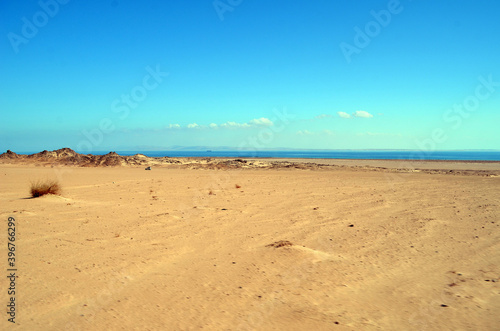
281 243
45 187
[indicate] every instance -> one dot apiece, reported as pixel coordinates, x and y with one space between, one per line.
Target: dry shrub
281 243
237 186
45 187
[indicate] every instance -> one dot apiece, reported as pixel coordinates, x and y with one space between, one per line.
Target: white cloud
362 114
343 114
234 125
261 122
257 122
323 116
304 133
229 125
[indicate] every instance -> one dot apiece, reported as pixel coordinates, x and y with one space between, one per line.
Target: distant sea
472 155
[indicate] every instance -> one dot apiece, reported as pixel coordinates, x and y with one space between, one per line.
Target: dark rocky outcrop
9 155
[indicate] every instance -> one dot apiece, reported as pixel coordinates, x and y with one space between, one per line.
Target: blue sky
126 75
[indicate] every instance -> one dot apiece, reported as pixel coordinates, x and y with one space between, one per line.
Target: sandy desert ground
253 249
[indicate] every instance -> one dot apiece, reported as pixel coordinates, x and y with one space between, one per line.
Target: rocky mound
9 155
68 157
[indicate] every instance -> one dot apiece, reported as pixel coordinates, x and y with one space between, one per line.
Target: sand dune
182 248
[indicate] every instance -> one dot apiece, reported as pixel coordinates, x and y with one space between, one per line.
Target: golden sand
336 248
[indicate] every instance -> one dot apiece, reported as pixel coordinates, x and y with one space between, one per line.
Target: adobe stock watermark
251 143
373 28
459 112
30 28
453 116
223 6
266 135
123 107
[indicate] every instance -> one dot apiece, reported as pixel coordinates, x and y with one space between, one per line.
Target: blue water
332 154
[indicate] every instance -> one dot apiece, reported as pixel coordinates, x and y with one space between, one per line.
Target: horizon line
277 149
